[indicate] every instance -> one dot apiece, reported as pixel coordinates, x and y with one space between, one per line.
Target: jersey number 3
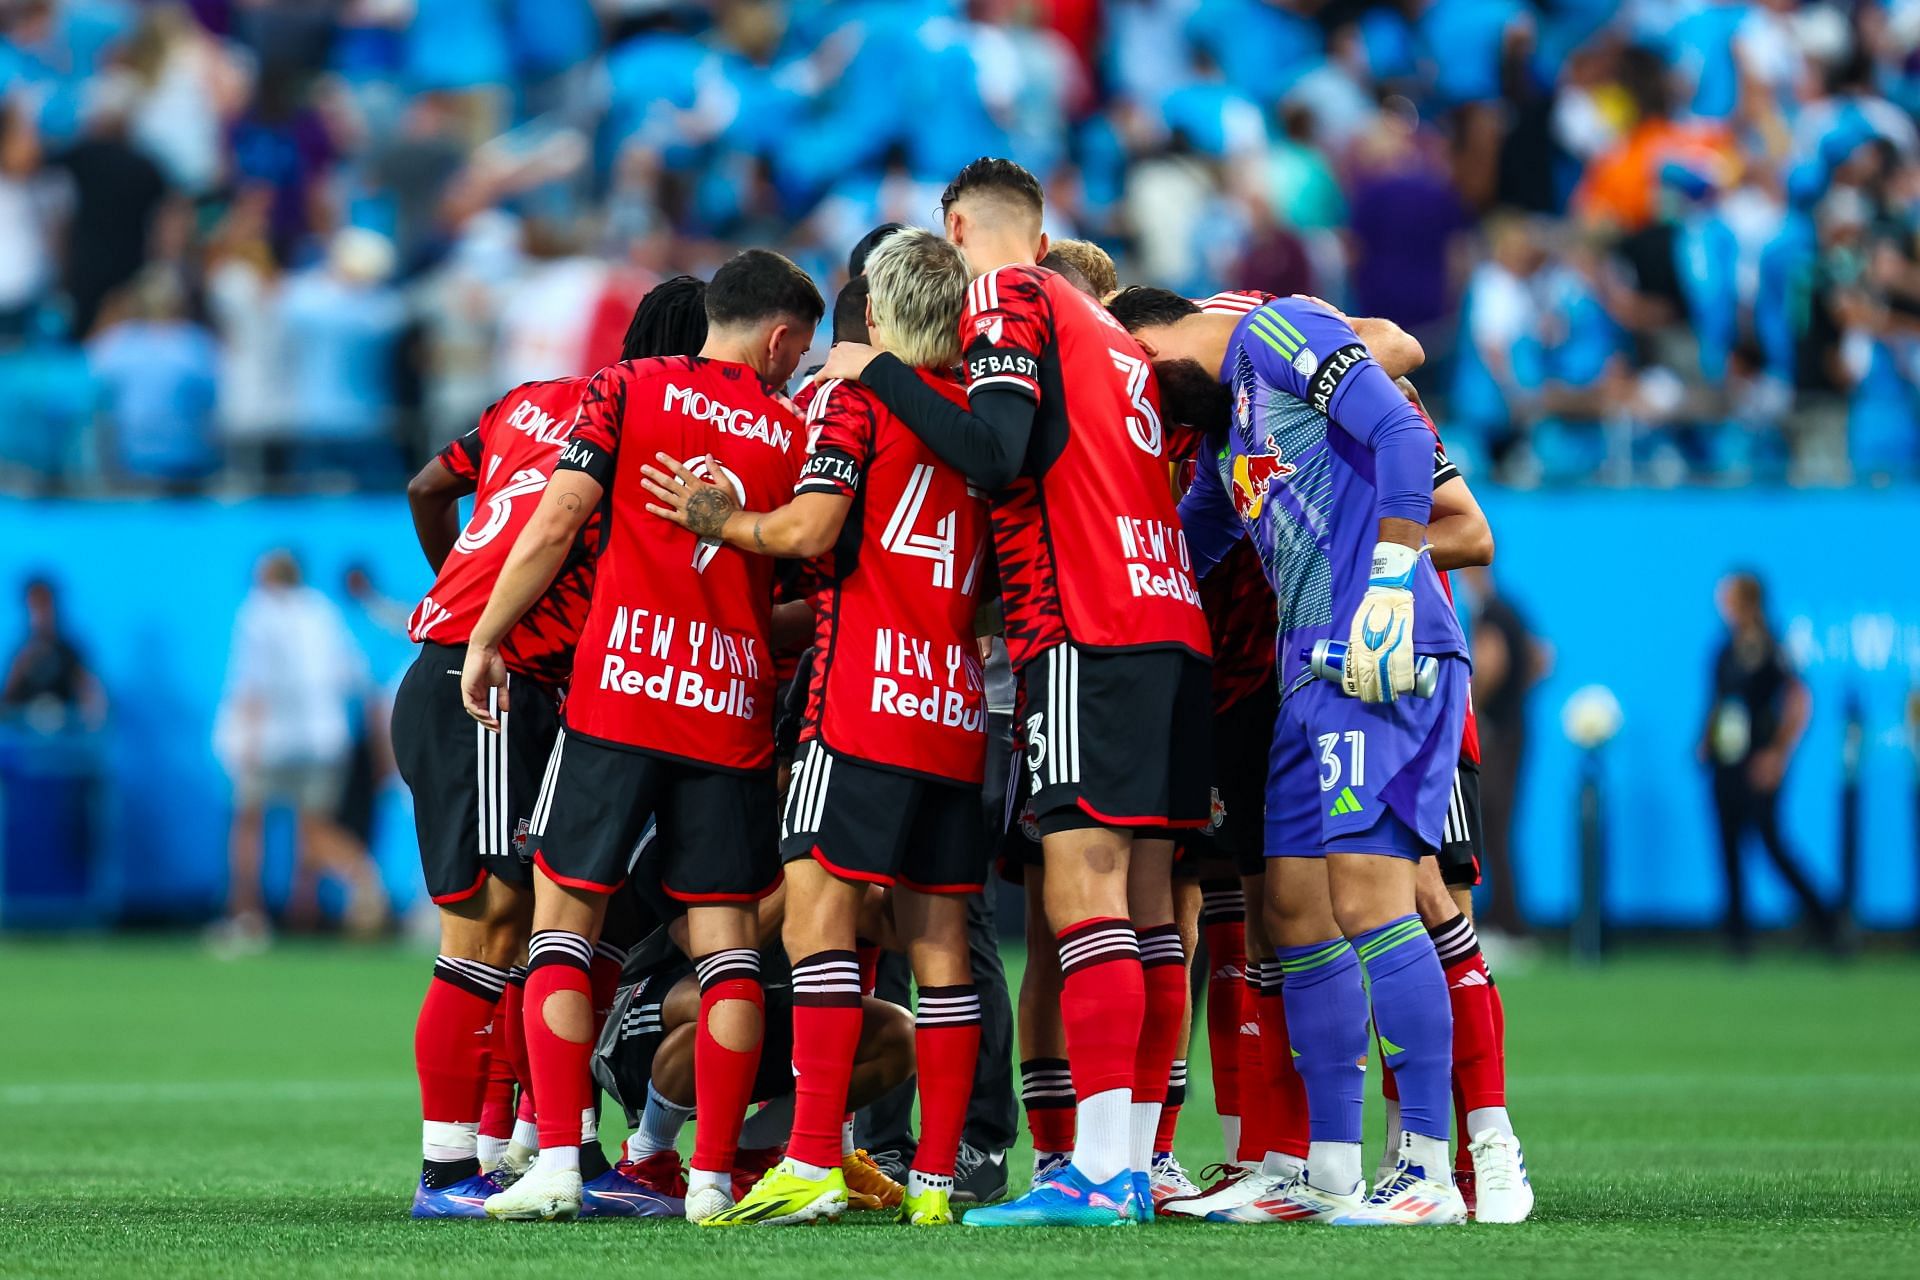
500 509
1143 424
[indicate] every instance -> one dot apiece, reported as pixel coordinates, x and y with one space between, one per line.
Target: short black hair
850 312
1142 306
857 260
758 284
996 175
670 321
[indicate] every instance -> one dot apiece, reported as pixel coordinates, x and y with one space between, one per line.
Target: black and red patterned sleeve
1004 330
840 427
461 455
595 440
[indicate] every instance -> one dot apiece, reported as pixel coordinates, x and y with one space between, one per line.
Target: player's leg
946 1043
1168 1179
1223 927
1046 1083
1163 964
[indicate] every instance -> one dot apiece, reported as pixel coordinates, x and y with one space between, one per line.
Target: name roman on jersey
685 662
1157 559
530 419
920 680
1334 371
744 423
1000 364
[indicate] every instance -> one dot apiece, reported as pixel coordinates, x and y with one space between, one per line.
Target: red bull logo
1253 475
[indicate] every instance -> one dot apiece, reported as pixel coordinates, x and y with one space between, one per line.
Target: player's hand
1322 302
483 685
1379 665
690 501
847 361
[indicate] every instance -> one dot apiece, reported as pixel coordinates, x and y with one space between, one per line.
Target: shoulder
1012 287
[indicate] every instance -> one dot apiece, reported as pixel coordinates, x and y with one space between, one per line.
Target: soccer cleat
1463 1183
1048 1165
750 1164
979 1177
703 1202
1141 1197
1271 1198
893 1162
466 1198
660 1172
1502 1192
1170 1181
1408 1199
931 1208
621 1193
513 1165
1227 1188
868 1188
783 1197
553 1196
1067 1200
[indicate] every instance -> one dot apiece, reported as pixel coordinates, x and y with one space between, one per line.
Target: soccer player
668 715
1092 264
1329 469
886 785
1062 426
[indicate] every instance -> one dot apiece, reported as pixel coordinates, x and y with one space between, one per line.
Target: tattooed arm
804 527
536 557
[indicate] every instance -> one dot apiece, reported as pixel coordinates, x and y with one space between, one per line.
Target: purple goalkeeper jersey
1320 448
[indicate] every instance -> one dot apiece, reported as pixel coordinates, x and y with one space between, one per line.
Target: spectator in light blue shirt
342 321
156 371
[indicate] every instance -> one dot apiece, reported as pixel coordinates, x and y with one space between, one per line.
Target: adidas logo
1345 804
1249 1028
1472 978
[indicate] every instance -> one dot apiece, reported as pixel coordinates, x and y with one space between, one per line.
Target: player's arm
536 558
1458 534
1398 351
1206 514
804 527
986 441
433 496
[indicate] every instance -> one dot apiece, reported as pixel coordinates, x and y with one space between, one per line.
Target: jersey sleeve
461 455
840 428
1003 331
1206 514
594 442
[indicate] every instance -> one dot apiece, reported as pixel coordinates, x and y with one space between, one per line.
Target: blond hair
918 286
1091 261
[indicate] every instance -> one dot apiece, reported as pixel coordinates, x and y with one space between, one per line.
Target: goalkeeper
1320 459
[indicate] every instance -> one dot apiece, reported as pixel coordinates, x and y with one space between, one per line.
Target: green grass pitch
164 1113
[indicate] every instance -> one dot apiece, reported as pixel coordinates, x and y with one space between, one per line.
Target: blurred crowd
254 244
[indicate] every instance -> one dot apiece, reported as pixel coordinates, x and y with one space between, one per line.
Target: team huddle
706 703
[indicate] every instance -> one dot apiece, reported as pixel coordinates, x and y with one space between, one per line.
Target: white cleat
1169 1181
513 1166
1408 1199
1502 1190
1227 1190
553 1196
1290 1198
704 1202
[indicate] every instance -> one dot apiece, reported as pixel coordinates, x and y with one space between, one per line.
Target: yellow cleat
782 1197
931 1208
868 1186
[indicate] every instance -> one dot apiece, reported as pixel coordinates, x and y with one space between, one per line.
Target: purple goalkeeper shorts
1346 776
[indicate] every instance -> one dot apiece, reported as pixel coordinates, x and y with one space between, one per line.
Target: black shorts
634 1031
712 834
473 790
1118 739
862 822
1460 838
1242 741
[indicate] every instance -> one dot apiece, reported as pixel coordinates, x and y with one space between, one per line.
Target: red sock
723 1077
1046 1091
1227 957
509 1047
1102 1004
1258 1096
557 962
1478 1075
526 1110
946 1045
1288 1132
452 1037
1170 1111
826 1032
869 954
1163 975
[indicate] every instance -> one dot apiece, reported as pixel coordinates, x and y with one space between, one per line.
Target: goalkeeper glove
1379 665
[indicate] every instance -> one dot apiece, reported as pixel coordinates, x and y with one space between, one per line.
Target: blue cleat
617 1194
1067 1199
1143 1197
466 1198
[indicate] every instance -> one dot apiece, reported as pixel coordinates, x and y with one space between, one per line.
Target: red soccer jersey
896 676
674 658
1443 471
509 456
1089 547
